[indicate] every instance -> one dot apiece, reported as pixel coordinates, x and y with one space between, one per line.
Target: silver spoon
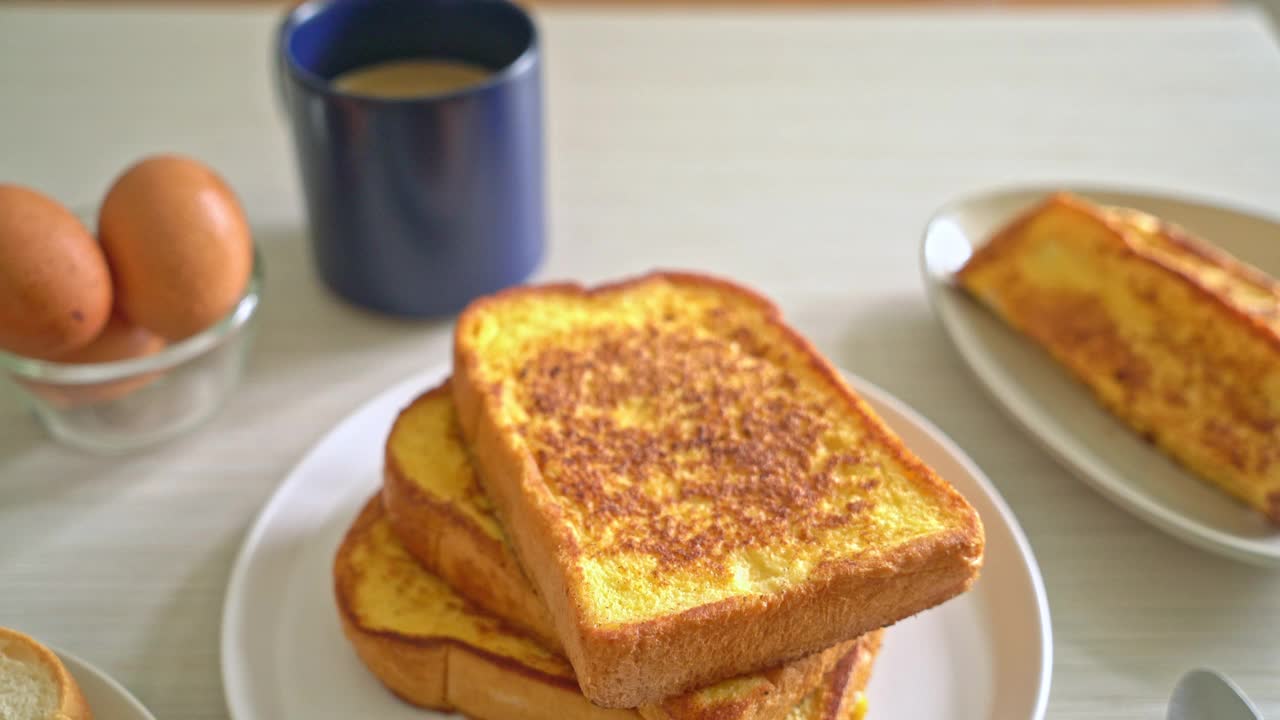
1208 695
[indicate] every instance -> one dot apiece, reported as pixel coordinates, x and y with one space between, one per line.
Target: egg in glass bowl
131 335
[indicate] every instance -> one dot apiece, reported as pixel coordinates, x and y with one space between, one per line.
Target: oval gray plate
1061 413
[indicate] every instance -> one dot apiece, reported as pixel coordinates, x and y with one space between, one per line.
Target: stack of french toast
648 498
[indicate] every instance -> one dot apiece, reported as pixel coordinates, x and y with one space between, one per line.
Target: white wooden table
799 153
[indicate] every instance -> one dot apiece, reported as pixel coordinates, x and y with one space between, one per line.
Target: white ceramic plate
108 699
1060 412
984 655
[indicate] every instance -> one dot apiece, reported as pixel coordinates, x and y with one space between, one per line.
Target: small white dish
986 654
1061 413
108 699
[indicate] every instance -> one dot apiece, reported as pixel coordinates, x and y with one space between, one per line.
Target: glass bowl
116 407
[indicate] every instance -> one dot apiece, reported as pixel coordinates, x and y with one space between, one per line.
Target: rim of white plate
1032 567
79 668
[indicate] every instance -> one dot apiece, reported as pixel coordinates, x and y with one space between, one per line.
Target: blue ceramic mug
416 206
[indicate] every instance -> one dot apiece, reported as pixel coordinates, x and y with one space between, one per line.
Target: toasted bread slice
842 693
441 515
1177 339
432 649
34 684
694 491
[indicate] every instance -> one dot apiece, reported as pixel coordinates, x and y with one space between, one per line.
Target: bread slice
694 491
443 518
1174 337
34 684
842 693
432 649
439 511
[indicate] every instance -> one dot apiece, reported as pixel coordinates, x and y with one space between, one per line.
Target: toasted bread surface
442 516
34 684
694 491
1176 338
431 648
842 693
465 661
764 695
433 505
461 659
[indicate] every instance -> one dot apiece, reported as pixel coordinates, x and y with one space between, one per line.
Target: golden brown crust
413 669
1198 385
448 675
871 594
846 682
480 688
767 483
640 662
481 568
445 674
71 702
1263 327
490 455
1179 236
414 672
347 576
998 247
784 686
74 706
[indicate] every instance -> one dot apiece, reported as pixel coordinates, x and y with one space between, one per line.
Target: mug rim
303 12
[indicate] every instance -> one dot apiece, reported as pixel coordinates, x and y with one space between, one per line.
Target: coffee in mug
411 78
423 185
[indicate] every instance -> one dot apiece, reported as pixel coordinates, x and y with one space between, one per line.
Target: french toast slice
1176 338
445 520
842 693
692 489
439 512
434 650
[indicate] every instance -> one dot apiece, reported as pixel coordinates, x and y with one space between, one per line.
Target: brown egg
119 340
55 289
178 245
